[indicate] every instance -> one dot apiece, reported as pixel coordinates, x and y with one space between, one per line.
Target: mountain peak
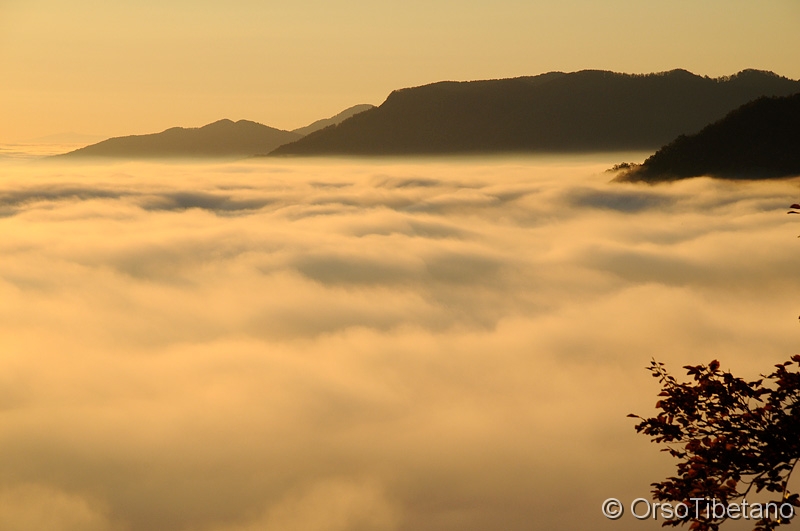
589 110
223 138
225 122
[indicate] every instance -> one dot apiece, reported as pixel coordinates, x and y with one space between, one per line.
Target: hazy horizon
80 139
112 69
340 345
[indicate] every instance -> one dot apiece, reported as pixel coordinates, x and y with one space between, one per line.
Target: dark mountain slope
758 140
219 139
333 120
582 111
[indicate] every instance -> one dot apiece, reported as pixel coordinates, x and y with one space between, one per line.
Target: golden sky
114 67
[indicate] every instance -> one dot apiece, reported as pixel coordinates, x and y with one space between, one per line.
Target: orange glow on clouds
332 345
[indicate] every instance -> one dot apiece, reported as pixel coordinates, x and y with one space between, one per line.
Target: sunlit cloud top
328 345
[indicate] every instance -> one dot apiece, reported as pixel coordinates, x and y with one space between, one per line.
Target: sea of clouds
376 345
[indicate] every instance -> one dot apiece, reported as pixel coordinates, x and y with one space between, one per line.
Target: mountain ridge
758 140
588 110
223 138
333 120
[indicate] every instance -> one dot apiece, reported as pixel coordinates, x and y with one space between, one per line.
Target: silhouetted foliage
795 205
623 166
730 436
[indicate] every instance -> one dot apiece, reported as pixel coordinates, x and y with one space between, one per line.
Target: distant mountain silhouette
589 110
339 118
760 139
219 139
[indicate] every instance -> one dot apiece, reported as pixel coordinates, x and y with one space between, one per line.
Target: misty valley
378 344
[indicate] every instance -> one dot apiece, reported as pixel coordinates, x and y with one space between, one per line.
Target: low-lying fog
378 345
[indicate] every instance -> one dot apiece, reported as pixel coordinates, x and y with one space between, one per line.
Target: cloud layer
383 345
